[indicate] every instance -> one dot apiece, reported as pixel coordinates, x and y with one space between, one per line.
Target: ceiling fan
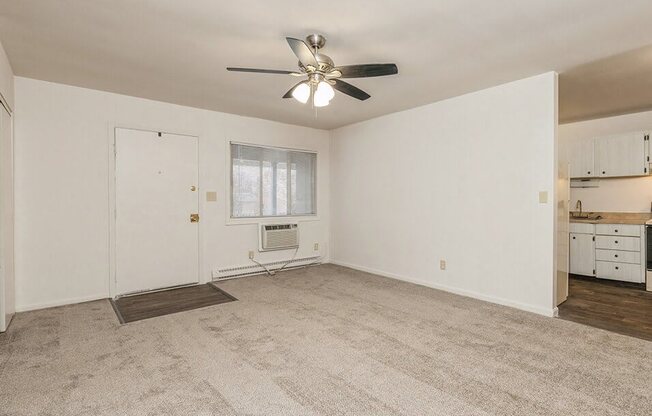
322 74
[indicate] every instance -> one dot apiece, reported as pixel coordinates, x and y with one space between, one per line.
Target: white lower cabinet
608 251
582 254
618 229
626 272
633 257
611 242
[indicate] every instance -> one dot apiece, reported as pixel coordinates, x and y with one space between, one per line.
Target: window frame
231 220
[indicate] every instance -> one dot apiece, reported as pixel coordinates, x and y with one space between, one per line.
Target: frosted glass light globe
301 93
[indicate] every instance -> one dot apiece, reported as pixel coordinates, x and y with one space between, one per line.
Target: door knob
193 188
194 217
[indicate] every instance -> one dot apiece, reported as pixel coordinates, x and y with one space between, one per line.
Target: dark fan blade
349 89
264 71
289 93
368 70
303 52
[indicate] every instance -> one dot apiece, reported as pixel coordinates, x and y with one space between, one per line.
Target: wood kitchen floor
625 308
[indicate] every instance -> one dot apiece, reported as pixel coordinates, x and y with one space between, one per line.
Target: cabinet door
581 159
582 254
622 155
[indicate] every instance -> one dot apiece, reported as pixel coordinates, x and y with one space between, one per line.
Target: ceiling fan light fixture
325 88
323 94
323 76
301 93
320 101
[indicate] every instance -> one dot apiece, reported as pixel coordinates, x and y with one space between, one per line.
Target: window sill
271 220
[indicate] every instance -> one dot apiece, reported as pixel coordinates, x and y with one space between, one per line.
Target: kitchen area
610 223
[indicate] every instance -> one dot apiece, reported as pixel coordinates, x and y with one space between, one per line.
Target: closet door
7 291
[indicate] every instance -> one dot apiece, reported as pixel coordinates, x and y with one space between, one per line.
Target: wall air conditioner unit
278 236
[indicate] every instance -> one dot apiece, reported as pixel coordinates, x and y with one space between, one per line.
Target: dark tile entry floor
150 305
625 308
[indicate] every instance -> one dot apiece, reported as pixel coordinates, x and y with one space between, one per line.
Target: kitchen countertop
614 218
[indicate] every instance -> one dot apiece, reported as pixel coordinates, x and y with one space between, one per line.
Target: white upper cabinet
622 155
580 155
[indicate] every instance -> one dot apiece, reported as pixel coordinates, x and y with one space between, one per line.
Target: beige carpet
325 340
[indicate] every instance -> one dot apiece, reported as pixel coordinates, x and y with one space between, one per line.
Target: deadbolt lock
194 217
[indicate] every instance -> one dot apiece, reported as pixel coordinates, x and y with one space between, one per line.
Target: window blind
271 182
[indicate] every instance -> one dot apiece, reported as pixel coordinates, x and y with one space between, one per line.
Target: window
271 182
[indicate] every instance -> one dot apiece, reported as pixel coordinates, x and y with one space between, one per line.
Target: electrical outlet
251 254
316 247
442 264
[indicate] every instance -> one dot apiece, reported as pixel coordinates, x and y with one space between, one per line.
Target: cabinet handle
615 230
616 241
589 172
603 172
616 267
573 238
616 255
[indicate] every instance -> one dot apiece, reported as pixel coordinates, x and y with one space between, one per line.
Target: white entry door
156 198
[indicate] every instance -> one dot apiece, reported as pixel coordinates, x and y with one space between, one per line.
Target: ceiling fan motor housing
325 62
317 41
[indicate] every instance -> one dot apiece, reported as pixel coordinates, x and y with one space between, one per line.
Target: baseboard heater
241 271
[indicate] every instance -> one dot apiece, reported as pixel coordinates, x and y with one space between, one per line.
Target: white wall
613 195
62 186
457 180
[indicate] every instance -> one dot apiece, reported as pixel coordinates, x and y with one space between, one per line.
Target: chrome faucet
578 206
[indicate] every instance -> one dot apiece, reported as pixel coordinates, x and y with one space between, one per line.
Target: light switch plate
211 196
543 197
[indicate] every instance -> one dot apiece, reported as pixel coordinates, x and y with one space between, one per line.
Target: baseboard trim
552 312
61 302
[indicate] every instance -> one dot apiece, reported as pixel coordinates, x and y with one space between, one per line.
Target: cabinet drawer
633 257
618 229
618 271
618 243
581 228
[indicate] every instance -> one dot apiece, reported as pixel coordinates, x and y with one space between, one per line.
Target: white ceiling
618 84
176 51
